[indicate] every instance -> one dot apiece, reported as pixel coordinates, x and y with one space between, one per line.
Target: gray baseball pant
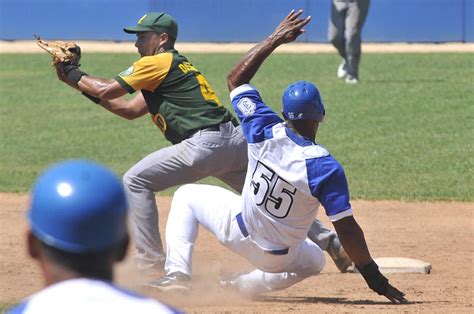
345 28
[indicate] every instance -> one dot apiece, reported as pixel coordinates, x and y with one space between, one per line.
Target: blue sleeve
18 309
328 183
255 116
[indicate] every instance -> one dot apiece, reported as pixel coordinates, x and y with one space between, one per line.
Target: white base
390 265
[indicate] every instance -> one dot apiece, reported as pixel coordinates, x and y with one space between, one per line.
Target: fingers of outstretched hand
303 22
290 14
395 295
294 14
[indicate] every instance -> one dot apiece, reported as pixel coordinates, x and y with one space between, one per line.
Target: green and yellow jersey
179 98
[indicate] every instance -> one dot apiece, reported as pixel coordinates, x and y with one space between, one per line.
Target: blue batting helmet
302 101
78 206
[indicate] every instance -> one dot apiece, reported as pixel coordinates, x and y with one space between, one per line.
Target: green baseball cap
155 22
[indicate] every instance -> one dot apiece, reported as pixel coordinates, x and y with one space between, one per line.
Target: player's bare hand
290 28
377 282
395 295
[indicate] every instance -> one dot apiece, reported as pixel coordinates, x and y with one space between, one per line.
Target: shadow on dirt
325 300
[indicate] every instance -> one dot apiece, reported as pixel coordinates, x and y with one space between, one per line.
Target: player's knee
314 265
318 263
132 181
185 192
352 36
336 39
182 191
127 179
183 197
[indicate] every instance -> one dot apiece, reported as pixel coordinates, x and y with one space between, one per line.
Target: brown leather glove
61 51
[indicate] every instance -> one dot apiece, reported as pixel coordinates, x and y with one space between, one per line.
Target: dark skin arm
110 93
353 240
287 31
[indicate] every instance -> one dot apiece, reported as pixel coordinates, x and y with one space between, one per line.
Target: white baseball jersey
88 296
288 176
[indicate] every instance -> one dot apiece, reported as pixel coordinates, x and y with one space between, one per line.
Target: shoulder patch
246 106
127 72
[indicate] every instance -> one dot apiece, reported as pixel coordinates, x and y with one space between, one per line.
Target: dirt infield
440 233
102 46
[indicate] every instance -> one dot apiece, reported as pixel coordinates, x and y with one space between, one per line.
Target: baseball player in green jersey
207 139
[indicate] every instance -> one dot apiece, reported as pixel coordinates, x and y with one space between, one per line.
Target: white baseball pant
216 210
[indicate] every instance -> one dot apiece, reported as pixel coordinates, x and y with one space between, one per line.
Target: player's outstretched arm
107 93
287 31
101 88
353 241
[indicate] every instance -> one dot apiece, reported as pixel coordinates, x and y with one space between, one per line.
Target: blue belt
244 231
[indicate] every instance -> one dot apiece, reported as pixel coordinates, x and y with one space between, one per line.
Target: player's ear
164 40
122 249
33 245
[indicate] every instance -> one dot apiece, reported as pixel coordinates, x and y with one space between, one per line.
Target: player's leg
194 205
356 15
328 241
336 33
308 261
319 234
167 167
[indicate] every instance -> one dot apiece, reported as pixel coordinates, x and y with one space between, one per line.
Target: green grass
405 132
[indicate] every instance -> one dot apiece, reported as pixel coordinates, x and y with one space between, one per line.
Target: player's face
148 43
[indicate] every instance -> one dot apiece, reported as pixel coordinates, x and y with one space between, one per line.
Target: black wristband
92 98
73 73
374 278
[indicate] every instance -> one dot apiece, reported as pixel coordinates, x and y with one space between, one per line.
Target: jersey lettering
271 191
207 91
159 121
186 67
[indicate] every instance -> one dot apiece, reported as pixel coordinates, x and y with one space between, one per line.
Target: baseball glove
61 51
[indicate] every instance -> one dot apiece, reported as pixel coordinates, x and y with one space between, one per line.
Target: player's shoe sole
351 80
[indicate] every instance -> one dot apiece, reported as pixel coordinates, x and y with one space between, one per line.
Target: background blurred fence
233 20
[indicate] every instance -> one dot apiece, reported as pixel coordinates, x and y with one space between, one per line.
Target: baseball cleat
230 282
342 70
174 282
339 255
351 80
